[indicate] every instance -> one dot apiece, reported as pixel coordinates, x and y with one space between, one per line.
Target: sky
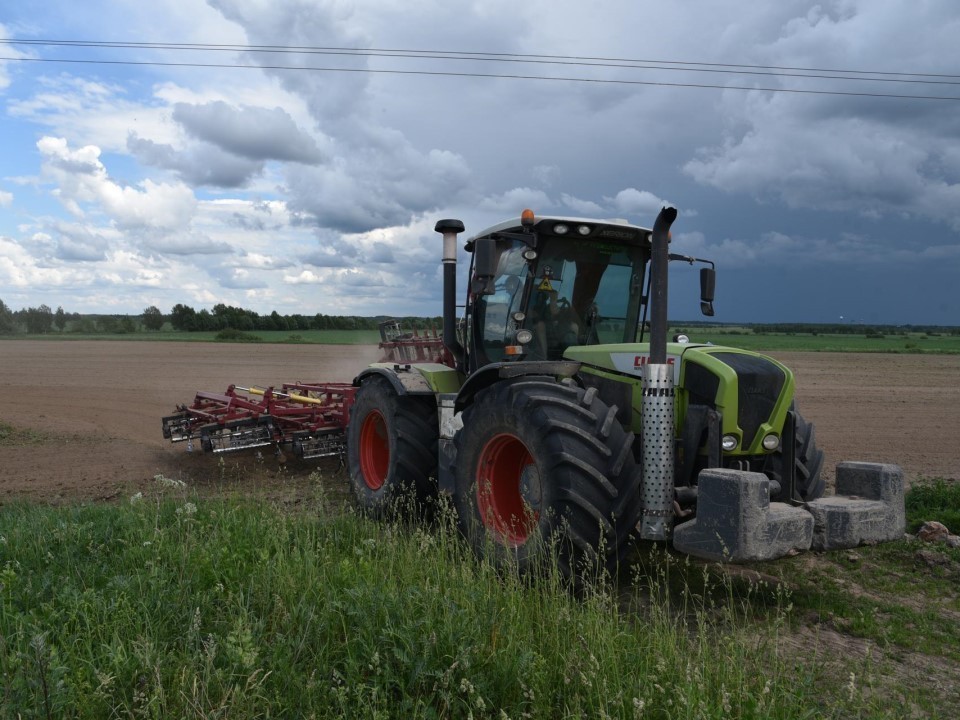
147 176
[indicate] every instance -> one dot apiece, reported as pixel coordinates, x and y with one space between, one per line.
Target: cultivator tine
176 428
237 436
329 443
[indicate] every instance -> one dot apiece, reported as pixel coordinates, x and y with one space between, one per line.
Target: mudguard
415 379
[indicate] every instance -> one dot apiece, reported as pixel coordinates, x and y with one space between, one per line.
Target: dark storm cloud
200 164
254 133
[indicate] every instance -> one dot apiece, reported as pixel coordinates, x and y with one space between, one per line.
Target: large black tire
391 448
808 462
545 472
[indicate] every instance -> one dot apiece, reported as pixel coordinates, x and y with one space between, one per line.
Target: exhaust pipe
450 229
659 260
657 488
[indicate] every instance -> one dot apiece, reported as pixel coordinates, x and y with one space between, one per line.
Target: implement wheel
544 471
391 447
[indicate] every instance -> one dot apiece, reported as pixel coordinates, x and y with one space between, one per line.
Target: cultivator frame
308 418
402 347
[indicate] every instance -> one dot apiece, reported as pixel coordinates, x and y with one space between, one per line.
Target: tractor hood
629 358
752 391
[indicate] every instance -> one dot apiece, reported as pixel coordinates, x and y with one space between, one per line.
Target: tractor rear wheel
808 461
391 448
544 471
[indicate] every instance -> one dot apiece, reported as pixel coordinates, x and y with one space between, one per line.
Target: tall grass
934 499
175 607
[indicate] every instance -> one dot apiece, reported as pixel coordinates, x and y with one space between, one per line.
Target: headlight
771 442
524 336
583 229
561 229
729 443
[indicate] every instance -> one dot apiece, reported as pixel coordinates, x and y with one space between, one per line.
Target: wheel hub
508 490
530 487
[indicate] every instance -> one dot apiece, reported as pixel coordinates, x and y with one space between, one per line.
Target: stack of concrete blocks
736 522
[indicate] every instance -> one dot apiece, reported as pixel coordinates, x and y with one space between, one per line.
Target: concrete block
868 507
736 522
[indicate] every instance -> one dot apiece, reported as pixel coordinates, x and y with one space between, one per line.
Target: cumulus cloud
587 208
512 202
636 202
189 243
6 198
238 278
81 179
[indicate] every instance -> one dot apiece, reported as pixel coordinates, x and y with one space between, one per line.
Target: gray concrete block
736 522
868 507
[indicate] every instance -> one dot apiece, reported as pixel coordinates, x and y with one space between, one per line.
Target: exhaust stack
657 489
450 229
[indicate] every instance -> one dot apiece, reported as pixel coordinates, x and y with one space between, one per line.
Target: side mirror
485 260
708 283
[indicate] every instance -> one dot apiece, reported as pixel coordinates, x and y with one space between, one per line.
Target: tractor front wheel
544 471
391 448
807 460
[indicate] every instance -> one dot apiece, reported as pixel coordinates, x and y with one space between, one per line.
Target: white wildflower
134 499
164 481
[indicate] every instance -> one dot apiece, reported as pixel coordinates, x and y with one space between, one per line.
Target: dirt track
96 409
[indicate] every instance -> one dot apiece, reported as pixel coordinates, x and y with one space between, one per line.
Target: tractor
559 420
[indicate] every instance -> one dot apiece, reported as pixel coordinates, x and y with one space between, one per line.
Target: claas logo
641 360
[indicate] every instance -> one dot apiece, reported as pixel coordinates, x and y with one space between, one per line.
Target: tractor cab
550 283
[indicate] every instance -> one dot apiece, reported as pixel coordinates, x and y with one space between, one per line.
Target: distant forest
182 318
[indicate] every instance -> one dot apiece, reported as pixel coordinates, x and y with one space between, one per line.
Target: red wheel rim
502 507
374 450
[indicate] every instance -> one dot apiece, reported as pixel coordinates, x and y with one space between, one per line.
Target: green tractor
556 425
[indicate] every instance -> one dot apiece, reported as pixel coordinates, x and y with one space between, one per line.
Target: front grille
759 383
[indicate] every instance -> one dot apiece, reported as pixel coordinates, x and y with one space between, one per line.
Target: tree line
183 318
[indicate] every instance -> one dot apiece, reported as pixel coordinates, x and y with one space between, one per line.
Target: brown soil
93 410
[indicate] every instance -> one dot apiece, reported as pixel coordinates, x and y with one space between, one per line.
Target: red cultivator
309 418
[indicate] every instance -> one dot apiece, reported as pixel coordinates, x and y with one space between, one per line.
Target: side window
496 311
609 303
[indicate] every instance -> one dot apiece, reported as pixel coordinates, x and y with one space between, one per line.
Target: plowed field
87 414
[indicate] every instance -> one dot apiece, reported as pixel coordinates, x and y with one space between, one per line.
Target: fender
489 374
415 379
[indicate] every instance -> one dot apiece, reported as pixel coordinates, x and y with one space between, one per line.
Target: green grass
934 499
169 607
12 436
901 595
911 343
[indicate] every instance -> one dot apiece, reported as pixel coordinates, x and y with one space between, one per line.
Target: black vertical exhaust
450 229
659 260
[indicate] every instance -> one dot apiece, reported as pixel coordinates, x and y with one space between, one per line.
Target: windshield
577 292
